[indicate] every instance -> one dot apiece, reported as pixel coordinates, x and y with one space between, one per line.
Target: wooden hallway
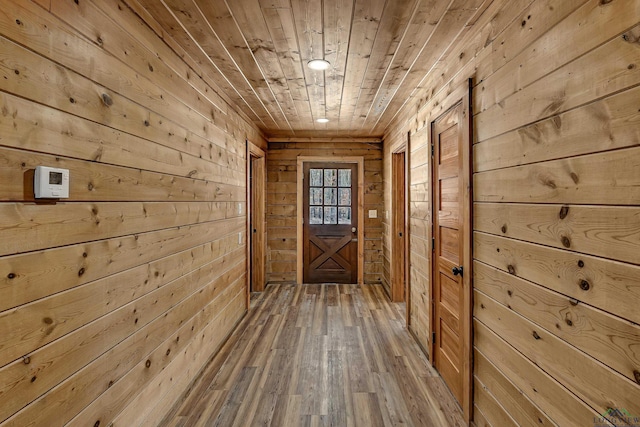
319 355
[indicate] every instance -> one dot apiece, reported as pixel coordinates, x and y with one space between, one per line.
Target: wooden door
256 232
399 225
451 262
330 223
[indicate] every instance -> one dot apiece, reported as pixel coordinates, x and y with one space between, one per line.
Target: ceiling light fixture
318 64
322 120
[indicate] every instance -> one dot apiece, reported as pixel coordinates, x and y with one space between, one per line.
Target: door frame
301 160
256 209
400 224
460 95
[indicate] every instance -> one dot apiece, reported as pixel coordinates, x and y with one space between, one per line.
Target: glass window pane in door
315 215
344 178
331 196
344 196
330 215
330 177
344 215
315 196
315 177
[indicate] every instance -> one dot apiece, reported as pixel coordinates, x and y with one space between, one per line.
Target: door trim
257 208
461 95
359 160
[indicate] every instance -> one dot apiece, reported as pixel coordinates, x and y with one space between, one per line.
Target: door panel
399 228
448 288
330 216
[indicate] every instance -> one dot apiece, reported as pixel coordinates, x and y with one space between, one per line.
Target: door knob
353 229
457 270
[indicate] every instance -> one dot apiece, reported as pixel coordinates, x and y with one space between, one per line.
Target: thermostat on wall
51 183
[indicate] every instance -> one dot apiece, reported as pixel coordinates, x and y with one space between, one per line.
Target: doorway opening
399 226
256 219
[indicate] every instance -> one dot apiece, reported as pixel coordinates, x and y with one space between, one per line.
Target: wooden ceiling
256 52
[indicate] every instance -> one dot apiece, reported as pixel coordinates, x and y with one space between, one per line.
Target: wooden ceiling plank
337 29
282 29
200 77
157 15
308 16
129 47
469 48
366 20
456 21
255 52
418 33
222 37
283 35
195 68
394 38
252 25
184 21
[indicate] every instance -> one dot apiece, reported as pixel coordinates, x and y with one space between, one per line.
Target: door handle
400 234
457 270
353 229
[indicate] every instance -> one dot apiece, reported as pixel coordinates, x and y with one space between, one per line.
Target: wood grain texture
599 126
607 338
550 396
108 295
43 321
609 285
592 382
576 180
605 231
333 354
257 53
555 174
519 408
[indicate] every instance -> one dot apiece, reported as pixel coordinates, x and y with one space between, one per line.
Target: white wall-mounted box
51 183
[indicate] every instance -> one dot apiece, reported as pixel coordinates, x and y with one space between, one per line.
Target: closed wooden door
399 225
450 219
330 223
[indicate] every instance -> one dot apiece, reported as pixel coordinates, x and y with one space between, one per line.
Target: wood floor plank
319 355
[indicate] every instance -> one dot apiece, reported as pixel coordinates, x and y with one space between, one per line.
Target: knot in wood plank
564 211
106 100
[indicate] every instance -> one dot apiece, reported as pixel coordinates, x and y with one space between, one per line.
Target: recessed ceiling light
318 64
322 120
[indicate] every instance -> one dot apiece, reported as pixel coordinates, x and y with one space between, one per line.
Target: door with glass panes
330 223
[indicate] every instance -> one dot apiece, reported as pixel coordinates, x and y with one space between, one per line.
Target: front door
330 222
450 223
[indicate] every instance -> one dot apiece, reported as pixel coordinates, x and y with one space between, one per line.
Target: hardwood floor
319 355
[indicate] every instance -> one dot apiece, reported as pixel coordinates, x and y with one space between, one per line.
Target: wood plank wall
111 301
282 203
556 104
